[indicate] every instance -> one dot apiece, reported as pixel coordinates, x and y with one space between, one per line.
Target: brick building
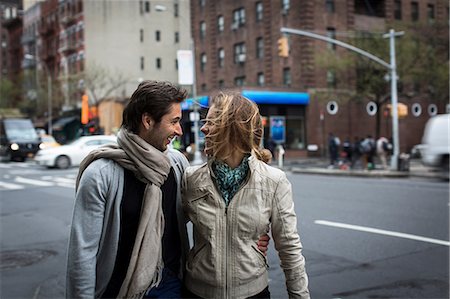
236 49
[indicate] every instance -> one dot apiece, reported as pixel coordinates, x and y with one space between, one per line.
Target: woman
231 201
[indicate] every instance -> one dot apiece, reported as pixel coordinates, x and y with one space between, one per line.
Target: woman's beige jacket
225 261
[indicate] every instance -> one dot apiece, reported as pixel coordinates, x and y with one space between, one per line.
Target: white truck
435 147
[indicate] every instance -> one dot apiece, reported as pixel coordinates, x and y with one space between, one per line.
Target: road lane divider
382 232
10 186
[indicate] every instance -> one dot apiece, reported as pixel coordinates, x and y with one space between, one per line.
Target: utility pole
395 132
391 66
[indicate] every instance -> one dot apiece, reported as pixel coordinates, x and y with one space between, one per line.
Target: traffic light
84 109
283 46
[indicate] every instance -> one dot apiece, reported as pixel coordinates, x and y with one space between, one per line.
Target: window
430 12
259 47
286 6
287 81
331 33
259 11
239 81
202 30
203 60
175 10
239 53
142 63
260 79
331 79
177 37
221 84
330 6
158 63
203 87
220 23
202 3
221 57
176 64
238 18
141 7
147 6
398 9
414 11
141 35
158 35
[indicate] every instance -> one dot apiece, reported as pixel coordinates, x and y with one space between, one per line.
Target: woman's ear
147 121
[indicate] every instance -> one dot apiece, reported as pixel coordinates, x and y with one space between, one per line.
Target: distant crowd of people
360 153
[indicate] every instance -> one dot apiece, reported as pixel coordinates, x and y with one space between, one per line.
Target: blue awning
277 97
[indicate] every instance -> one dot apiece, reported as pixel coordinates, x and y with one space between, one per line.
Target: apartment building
236 49
105 48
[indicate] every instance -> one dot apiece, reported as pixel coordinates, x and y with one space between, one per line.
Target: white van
435 142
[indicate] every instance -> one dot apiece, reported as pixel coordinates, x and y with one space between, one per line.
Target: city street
362 237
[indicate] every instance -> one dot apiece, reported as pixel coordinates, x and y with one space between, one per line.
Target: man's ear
147 121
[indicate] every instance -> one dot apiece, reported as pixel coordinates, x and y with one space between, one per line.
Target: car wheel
62 162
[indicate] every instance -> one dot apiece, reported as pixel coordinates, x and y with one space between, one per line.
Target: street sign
278 129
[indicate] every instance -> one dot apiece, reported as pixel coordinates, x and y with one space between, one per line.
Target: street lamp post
390 66
49 91
197 154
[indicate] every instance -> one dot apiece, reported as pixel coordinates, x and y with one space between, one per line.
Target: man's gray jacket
94 236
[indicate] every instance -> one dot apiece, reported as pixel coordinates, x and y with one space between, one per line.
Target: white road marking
65 181
33 182
382 232
10 186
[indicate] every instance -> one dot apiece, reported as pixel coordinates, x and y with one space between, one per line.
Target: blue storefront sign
278 129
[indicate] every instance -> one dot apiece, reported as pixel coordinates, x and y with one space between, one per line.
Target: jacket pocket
262 258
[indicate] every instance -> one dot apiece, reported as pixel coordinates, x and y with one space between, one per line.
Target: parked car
18 139
48 141
73 153
435 148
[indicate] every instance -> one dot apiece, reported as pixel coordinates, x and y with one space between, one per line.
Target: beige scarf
152 167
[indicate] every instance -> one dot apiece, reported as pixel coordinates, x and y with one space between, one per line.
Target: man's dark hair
154 98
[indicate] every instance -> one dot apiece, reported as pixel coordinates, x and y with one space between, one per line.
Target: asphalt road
362 237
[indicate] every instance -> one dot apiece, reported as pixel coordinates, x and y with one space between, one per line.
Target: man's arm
86 230
263 243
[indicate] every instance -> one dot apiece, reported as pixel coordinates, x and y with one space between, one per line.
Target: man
128 236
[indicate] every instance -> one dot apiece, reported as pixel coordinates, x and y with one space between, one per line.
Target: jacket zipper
227 235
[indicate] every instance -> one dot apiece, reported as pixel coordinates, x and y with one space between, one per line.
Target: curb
354 173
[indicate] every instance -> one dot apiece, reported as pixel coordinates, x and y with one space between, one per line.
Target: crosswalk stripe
10 186
64 180
33 182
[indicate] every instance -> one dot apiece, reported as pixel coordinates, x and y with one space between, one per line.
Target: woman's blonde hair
237 127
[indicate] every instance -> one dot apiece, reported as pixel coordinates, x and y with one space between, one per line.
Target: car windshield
20 129
48 139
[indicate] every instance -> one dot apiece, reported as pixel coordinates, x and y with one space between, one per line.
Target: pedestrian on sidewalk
333 149
382 150
231 200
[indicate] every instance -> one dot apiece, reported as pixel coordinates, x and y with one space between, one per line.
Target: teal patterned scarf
230 180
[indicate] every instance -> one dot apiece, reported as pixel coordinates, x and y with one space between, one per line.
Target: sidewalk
321 166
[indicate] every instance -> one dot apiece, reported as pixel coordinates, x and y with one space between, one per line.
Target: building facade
236 49
103 49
